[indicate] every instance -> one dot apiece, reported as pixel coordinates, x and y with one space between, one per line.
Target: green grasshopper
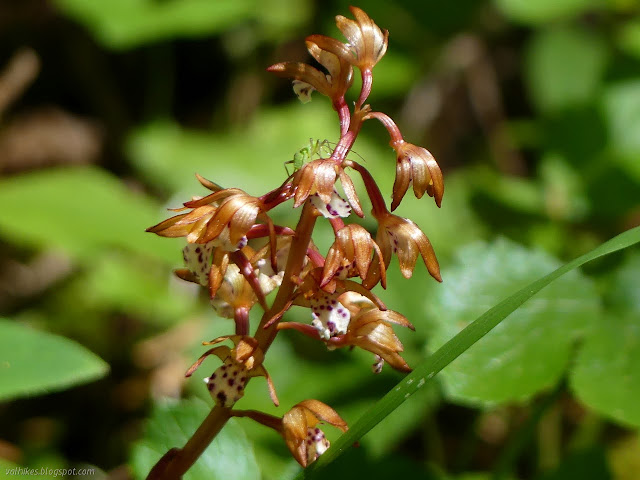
315 148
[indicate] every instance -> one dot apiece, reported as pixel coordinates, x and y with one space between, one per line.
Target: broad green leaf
564 68
425 371
606 374
252 158
127 23
622 113
33 362
229 457
542 11
529 352
82 211
123 24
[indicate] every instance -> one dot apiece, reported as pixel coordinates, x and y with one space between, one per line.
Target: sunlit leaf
33 362
252 158
82 211
541 11
229 457
122 24
127 23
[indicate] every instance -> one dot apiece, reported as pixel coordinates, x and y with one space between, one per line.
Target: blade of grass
455 347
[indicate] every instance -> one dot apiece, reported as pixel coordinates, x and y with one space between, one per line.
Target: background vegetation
533 112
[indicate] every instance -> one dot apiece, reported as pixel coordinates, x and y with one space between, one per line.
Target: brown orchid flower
367 41
351 255
404 238
368 44
332 55
329 316
234 281
223 217
369 328
305 441
418 165
226 385
299 428
318 177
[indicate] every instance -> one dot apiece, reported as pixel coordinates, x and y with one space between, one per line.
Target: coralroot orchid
235 251
298 427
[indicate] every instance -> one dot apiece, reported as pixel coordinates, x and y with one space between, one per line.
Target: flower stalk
236 251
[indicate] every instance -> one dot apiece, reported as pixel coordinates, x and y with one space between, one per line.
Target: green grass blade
451 350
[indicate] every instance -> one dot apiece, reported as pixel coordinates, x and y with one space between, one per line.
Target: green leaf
33 362
543 11
529 352
622 113
564 68
623 293
127 23
82 211
229 457
123 24
426 370
251 158
606 375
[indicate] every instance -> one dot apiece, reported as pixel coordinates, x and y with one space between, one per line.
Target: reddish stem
260 417
343 114
389 124
241 317
367 81
316 257
379 208
337 223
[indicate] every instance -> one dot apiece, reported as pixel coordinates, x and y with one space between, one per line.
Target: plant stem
176 462
295 263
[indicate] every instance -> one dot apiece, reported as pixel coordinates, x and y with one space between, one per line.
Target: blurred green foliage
532 109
